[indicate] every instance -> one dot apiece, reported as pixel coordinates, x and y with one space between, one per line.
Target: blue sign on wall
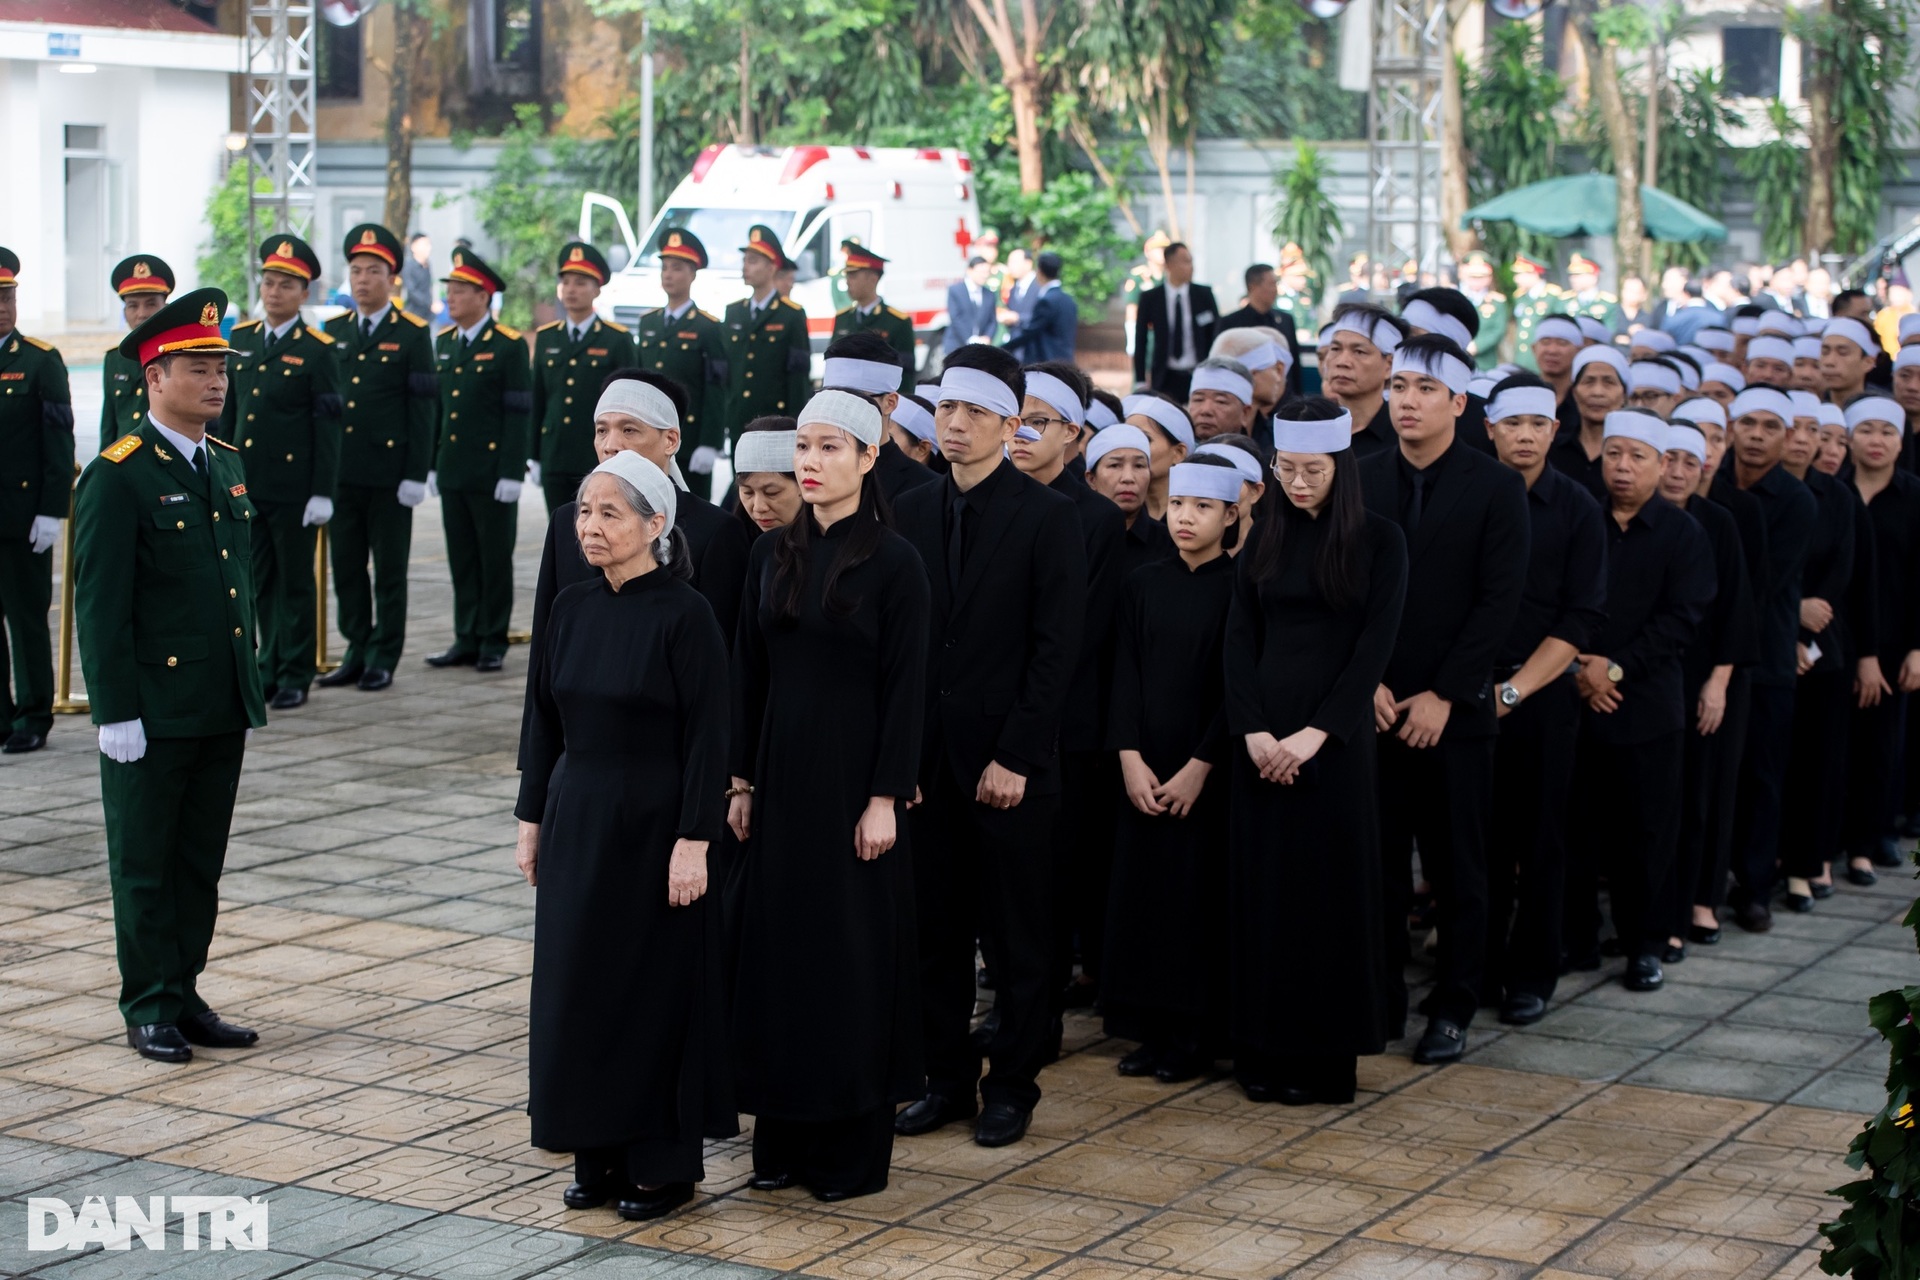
63 44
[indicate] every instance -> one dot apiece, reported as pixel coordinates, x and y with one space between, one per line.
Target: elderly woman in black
622 791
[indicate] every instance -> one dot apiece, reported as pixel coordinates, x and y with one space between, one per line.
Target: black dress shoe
374 679
1143 1061
1080 995
453 658
207 1029
981 1037
771 1181
1799 903
935 1111
1862 876
1753 917
160 1041
287 699
1671 954
1180 1066
1821 892
1001 1124
1522 1009
490 662
1643 974
1701 936
835 1195
340 678
1443 1042
1260 1092
636 1205
587 1195
19 742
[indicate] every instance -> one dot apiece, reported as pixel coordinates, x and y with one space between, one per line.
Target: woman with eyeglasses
1316 608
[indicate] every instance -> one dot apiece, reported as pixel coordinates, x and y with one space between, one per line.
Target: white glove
412 493
533 471
319 511
433 484
507 491
44 533
123 742
701 463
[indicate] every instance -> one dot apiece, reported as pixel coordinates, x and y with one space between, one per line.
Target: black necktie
1177 340
200 461
1418 505
366 326
956 542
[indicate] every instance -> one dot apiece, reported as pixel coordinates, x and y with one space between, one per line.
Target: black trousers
1709 775
1527 838
986 872
1873 775
26 594
1440 798
649 1163
850 1156
370 525
1627 824
1177 383
1333 1076
1815 802
1083 850
1763 780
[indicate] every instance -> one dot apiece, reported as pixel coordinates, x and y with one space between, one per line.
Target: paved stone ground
375 931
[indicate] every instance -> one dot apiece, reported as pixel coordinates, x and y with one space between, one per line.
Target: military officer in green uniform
1496 312
386 450
684 343
163 572
1295 298
143 283
1533 300
870 312
486 399
769 358
1584 296
571 358
283 410
36 484
1141 277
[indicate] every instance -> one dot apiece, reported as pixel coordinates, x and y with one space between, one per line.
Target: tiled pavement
376 932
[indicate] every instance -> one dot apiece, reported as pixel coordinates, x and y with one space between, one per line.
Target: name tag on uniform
172 499
11 377
774 328
596 351
686 337
119 377
294 359
483 355
389 346
238 491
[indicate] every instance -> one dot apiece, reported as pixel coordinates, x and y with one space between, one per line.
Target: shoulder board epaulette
898 314
122 449
247 324
842 311
35 342
113 350
617 328
1496 297
511 335
551 324
410 318
213 439
444 332
789 302
321 334
704 315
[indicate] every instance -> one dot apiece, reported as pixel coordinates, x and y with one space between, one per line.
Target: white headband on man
1214 378
1853 331
640 401
1806 348
917 422
1636 424
1381 333
1614 358
975 386
1265 356
1057 395
1483 384
1515 402
1099 417
1121 435
1246 463
1592 330
1726 375
1198 480
1762 399
1653 375
1746 325
1687 438
1313 435
1909 327
648 480
1877 409
1422 314
764 451
1171 417
1657 341
1720 340
1907 357
1701 410
1565 328
845 410
1450 369
870 376
1770 348
1781 323
1805 404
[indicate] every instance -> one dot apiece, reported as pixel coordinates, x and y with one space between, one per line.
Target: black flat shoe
583 1195
19 742
1523 1009
1701 936
207 1029
490 663
1143 1061
1443 1042
288 699
160 1041
771 1181
1643 974
374 680
1178 1068
935 1111
1799 903
643 1206
1862 876
1821 892
341 677
1671 954
452 658
1001 1124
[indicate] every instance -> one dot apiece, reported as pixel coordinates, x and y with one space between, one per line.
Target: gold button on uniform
172 661
231 593
236 631
223 553
179 524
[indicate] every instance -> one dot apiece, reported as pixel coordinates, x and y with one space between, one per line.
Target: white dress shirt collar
186 447
468 335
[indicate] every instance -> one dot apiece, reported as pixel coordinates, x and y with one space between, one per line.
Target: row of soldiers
1507 323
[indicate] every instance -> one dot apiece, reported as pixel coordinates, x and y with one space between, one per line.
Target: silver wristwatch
1509 696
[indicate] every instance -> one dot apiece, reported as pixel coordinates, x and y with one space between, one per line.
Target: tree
1777 168
1511 130
1855 54
1307 215
529 205
1693 161
1454 181
415 24
1018 37
1603 32
223 257
1277 42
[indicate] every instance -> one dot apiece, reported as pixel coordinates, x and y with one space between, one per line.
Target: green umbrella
1588 204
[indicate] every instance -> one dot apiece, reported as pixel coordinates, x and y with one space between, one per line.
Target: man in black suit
1022 291
1052 329
1006 559
1468 540
970 308
1263 291
867 365
1173 328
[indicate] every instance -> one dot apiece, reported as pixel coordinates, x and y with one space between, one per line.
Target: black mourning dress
1166 903
625 753
827 713
1310 987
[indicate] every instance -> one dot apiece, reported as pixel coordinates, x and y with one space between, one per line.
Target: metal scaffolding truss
1403 132
279 76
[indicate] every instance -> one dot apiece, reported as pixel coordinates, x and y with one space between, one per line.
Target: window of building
516 33
1750 59
337 62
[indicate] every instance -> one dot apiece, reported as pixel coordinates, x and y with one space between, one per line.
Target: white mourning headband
764 451
648 480
974 386
1422 314
1171 417
1876 409
1198 480
1633 424
1063 400
869 376
842 409
1448 368
1121 435
1515 402
1701 410
1313 435
1214 378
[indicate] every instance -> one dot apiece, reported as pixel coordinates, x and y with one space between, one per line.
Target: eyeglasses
1315 475
1041 424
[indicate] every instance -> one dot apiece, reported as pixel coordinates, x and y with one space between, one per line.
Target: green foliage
1307 215
223 257
1512 131
1877 1236
1151 58
1694 152
1073 215
1272 43
1864 42
529 207
1777 168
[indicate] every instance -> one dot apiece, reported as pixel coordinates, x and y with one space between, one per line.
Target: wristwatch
1615 673
1509 696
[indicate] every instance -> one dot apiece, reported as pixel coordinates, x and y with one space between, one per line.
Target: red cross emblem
962 236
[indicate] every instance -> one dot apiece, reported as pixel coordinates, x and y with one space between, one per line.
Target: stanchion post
65 701
321 663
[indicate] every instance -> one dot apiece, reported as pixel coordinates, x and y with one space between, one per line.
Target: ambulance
913 206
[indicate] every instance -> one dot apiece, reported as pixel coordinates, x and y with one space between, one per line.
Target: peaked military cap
375 241
191 322
861 258
1581 265
9 267
290 254
581 258
142 273
763 241
470 268
681 243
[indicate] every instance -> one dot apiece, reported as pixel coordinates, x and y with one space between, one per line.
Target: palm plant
1307 215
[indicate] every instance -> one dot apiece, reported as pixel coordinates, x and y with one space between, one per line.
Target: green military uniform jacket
36 434
1599 305
163 574
392 399
1300 307
283 410
566 386
123 405
891 323
486 403
692 350
1496 317
1529 309
769 360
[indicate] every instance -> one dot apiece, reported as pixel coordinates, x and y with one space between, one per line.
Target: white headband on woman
1687 437
1770 348
1805 404
1099 417
1381 333
976 386
1806 348
640 401
1748 325
764 451
1612 357
1762 399
1171 417
1720 340
870 376
1592 330
1214 378
648 480
1565 328
1313 435
1657 341
1726 375
845 410
1198 480
1450 369
1701 410
1909 328
1121 435
1853 331
917 422
1244 462
1636 424
1422 314
1517 401
1877 409
1653 375
1063 399
1832 415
